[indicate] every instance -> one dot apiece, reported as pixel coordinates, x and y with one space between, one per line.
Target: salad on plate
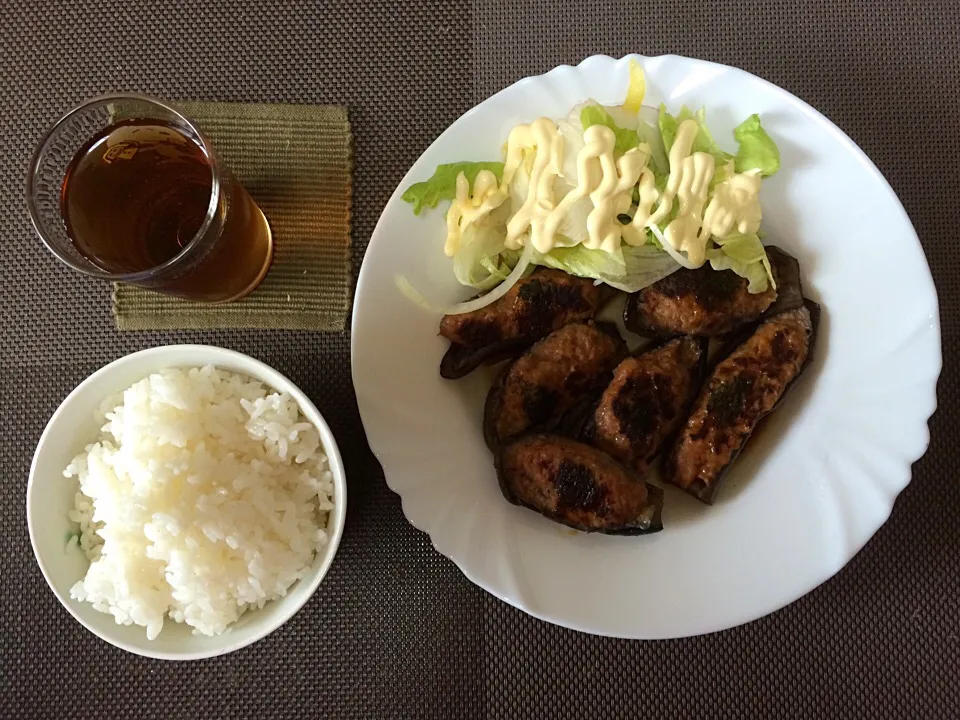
624 195
607 200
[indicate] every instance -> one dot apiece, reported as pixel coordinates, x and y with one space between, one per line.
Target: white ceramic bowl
50 497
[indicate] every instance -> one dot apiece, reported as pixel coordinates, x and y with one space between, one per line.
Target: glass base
268 261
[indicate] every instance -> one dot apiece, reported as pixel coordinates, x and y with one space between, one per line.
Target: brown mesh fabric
395 630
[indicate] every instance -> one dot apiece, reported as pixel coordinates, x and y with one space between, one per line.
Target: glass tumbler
125 188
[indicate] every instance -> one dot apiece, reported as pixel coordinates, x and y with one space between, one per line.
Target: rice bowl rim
279 609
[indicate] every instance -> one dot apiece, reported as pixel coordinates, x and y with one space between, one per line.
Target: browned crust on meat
741 390
577 485
702 302
646 402
538 304
541 385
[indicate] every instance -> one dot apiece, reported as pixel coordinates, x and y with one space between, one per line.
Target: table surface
395 630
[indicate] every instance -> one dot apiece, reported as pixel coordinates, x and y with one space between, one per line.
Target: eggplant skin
577 485
703 302
460 360
647 401
540 303
786 271
539 387
742 389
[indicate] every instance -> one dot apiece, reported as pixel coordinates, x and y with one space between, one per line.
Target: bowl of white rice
185 501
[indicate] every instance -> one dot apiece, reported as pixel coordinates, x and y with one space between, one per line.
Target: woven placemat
395 630
297 163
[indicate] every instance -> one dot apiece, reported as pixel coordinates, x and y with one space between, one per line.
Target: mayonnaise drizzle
468 208
735 206
609 182
535 212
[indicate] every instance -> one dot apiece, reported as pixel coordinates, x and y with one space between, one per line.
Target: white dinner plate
809 490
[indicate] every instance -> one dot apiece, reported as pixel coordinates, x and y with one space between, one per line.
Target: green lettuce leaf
630 269
658 162
596 115
757 151
652 240
703 142
668 127
443 184
755 273
742 248
746 256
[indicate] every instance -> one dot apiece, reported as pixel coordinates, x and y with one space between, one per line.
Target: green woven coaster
297 163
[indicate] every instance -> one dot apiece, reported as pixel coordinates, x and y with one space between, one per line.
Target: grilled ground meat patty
706 302
542 384
647 401
701 302
577 485
740 391
542 302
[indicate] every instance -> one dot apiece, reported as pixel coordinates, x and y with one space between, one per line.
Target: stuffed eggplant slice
646 402
741 390
539 387
537 305
709 303
786 271
577 485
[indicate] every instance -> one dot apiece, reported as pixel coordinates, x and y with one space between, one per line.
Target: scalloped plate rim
381 451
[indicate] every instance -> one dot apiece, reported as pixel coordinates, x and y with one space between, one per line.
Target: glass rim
93 269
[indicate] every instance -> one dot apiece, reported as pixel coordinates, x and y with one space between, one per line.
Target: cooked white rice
205 495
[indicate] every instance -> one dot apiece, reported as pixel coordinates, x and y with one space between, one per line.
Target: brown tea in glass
143 199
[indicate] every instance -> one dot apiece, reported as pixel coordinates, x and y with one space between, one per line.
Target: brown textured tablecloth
395 630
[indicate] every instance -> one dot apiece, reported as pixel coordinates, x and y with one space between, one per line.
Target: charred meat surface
702 302
542 384
647 401
741 390
577 485
538 304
